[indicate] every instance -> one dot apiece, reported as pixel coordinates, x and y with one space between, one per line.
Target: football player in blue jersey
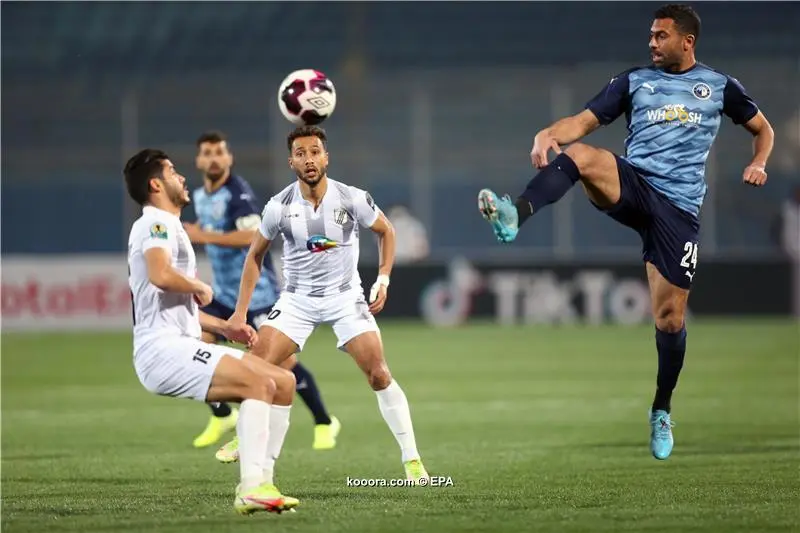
673 108
227 217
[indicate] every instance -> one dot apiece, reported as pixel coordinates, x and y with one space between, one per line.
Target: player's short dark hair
307 131
140 169
211 136
686 18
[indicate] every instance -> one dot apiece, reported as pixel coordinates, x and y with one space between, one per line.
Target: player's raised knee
582 155
285 381
261 388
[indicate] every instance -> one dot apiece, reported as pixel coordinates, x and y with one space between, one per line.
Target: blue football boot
501 214
661 441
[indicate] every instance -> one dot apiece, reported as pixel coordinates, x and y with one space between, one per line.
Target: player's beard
667 60
312 181
215 175
178 197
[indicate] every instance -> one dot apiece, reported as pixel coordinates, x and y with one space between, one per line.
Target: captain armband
248 222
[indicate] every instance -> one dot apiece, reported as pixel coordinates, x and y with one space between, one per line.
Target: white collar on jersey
299 194
156 211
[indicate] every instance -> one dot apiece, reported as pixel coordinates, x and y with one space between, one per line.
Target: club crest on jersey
158 231
320 243
340 216
701 91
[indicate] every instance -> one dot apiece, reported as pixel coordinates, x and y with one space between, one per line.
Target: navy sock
308 391
220 409
548 186
671 350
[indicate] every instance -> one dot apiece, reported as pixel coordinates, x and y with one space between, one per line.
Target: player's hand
204 294
194 232
378 294
237 330
755 175
542 144
240 332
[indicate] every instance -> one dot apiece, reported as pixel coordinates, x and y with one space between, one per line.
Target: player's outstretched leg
223 419
367 351
595 167
669 309
255 384
326 426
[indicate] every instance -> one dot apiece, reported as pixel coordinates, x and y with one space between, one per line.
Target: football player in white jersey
319 221
168 355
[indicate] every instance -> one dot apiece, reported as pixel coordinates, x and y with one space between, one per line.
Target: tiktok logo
448 302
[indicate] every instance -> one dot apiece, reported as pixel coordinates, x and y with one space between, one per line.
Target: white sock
253 430
394 408
278 427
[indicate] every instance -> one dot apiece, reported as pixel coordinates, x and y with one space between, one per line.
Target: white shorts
296 316
181 367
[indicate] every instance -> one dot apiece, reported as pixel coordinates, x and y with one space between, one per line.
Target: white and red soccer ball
306 97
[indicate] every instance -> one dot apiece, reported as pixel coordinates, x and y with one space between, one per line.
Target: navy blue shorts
224 312
669 235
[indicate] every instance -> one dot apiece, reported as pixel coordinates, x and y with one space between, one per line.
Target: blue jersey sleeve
737 104
613 100
242 203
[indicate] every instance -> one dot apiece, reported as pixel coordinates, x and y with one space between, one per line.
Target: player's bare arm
386 250
763 139
239 238
565 131
245 335
250 274
164 276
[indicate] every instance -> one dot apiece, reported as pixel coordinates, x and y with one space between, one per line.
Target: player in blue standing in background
227 217
673 108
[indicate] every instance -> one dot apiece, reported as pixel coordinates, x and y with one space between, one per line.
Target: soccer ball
306 97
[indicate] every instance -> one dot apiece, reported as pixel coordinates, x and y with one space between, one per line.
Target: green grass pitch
541 429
